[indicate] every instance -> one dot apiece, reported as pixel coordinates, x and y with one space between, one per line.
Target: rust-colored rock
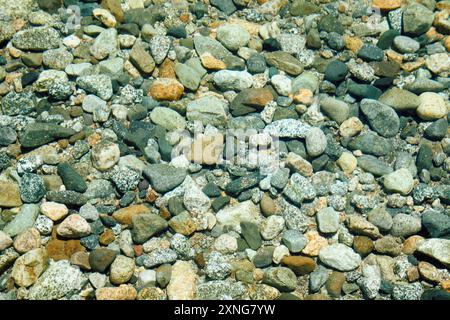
166 89
125 215
167 69
211 63
363 245
315 243
300 265
63 250
107 237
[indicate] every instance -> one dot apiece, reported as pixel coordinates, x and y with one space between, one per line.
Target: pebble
316 142
74 226
122 270
337 191
183 282
431 106
29 267
406 44
340 257
105 155
328 220
400 181
382 118
404 225
122 292
233 36
101 258
233 80
57 281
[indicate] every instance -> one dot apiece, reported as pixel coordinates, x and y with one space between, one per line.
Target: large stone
417 19
141 58
281 278
436 223
122 270
105 155
399 99
233 80
123 292
99 85
371 143
207 45
233 36
23 220
431 106
74 226
335 109
101 258
59 280
29 267
38 134
147 225
36 39
328 220
233 216
166 89
71 178
438 249
188 76
105 44
300 265
404 225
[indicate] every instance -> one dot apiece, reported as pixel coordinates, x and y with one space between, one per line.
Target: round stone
122 270
431 107
105 155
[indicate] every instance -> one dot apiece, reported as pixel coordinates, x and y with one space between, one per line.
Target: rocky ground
95 203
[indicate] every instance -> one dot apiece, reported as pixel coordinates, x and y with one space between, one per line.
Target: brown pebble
413 274
300 265
268 205
363 245
107 237
63 143
334 284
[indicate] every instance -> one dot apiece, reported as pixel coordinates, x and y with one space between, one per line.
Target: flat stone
164 177
438 249
285 62
336 109
340 257
208 110
38 39
23 220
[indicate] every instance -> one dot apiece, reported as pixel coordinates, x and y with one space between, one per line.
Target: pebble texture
224 149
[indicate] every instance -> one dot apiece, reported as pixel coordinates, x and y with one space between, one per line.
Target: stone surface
340 257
